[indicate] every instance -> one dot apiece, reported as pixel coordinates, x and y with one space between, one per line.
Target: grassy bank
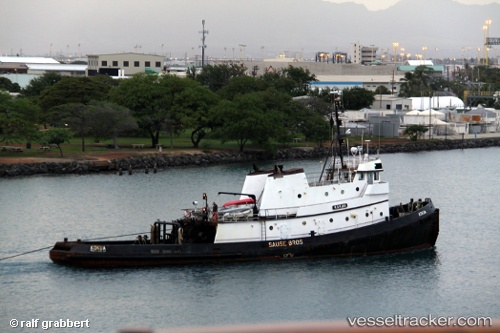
181 143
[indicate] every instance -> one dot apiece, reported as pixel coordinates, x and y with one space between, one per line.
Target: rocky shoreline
154 162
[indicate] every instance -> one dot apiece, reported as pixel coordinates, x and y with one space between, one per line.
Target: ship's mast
335 102
339 137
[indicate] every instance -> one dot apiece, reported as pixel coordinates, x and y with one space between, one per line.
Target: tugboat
279 214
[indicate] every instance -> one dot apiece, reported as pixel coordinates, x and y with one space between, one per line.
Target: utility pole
203 33
392 83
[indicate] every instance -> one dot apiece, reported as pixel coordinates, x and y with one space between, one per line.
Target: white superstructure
292 204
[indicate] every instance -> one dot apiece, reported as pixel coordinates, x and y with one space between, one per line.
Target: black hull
413 231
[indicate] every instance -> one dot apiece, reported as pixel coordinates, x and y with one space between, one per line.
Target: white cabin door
284 231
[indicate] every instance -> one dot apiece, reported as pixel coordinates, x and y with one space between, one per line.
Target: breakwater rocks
152 163
418 146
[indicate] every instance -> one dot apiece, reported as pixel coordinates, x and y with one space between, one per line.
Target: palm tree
416 83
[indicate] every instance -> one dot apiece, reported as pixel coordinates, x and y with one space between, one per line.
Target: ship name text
339 206
285 243
97 248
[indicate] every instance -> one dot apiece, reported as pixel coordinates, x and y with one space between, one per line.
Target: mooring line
48 247
22 254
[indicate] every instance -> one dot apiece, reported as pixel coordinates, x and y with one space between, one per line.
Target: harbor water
459 277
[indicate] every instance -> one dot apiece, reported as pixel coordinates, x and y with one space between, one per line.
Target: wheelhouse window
158 64
115 63
369 177
104 63
147 64
136 64
125 64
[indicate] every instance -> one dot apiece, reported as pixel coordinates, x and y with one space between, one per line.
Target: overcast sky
384 4
243 28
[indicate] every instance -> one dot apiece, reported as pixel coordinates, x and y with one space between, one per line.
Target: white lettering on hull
286 243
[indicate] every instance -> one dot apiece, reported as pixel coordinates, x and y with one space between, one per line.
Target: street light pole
485 28
486 49
395 45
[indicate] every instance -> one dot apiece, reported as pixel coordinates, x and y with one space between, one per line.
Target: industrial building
124 64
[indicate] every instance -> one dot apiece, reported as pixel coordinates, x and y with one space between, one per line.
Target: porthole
304 222
342 192
347 218
271 228
381 213
326 194
357 189
367 214
331 220
299 196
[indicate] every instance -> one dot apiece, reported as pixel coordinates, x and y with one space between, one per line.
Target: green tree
77 117
7 85
73 90
287 114
39 84
292 80
244 119
156 101
242 85
456 87
315 127
488 78
357 98
214 77
193 107
382 90
106 80
108 120
477 80
312 121
191 73
416 83
301 79
17 119
415 131
70 90
144 96
55 136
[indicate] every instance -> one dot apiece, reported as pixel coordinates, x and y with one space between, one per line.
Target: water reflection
458 277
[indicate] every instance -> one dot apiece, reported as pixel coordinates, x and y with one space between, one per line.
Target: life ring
215 217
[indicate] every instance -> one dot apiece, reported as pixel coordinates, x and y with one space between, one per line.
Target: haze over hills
266 27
